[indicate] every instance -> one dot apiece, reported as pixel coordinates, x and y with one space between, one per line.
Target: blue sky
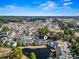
39 7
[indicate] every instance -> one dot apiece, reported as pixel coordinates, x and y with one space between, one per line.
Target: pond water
41 53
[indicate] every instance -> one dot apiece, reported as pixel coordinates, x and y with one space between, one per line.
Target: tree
61 24
3 21
5 29
17 52
76 48
43 31
56 36
7 44
66 32
0 44
44 20
61 35
32 55
18 42
70 25
71 32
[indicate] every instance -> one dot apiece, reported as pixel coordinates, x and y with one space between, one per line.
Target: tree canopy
32 55
43 31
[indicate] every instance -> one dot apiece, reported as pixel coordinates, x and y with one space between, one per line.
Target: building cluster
62 50
25 34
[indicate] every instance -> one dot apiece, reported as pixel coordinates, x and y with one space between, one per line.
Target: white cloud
11 8
66 0
67 3
48 5
8 7
77 14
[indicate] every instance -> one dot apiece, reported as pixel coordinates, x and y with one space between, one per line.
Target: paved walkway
33 47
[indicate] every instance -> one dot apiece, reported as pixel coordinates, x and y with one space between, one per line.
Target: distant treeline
19 18
6 19
25 17
36 17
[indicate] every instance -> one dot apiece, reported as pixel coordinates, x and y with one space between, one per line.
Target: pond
41 53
